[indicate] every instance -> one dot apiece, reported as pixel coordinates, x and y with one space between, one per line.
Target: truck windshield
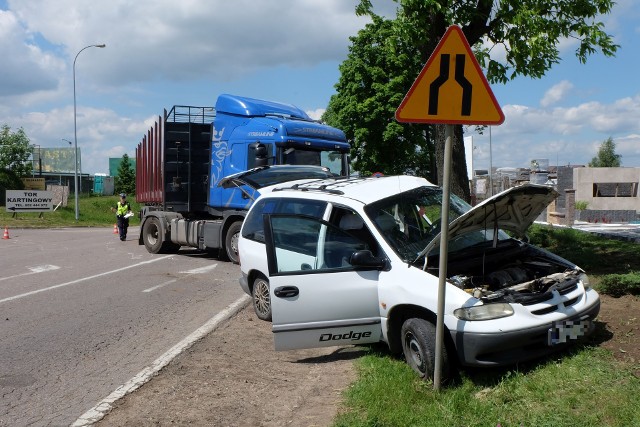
329 159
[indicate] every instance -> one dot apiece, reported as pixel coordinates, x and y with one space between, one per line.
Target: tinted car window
253 227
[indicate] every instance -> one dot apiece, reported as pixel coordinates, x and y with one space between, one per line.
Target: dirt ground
233 377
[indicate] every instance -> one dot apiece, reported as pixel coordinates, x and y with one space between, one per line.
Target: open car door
318 298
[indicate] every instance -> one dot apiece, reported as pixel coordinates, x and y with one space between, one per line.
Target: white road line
200 270
34 270
168 282
103 407
188 273
73 282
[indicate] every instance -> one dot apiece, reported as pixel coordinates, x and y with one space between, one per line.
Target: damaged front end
516 273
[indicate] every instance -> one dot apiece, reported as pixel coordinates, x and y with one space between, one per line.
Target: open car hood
514 210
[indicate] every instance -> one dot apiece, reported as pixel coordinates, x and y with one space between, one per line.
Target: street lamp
75 128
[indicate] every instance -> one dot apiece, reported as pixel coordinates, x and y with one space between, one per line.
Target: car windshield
410 220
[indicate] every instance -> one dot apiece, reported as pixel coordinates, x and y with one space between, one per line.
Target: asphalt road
81 313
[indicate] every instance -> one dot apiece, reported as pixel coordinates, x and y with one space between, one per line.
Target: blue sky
160 53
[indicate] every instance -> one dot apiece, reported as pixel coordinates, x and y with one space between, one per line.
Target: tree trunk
459 177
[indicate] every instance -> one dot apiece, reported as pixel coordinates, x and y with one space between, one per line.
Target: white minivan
343 261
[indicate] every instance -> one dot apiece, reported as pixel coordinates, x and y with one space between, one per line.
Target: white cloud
193 39
316 114
556 93
25 67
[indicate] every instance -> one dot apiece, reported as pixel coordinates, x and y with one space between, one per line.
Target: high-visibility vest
122 208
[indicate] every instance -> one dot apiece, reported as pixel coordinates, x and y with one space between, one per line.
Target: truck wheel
261 298
153 237
419 346
231 242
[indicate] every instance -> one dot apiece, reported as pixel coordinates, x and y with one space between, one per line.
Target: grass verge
585 388
95 211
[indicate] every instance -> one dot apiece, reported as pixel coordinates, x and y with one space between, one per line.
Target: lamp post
75 128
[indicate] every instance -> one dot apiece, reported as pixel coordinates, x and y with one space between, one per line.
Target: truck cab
247 133
182 160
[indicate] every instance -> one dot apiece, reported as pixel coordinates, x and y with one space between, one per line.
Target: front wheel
231 242
261 298
419 346
154 238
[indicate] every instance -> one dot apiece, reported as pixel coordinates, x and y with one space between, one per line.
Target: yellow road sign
451 88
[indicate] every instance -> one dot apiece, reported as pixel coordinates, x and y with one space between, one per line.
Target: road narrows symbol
467 88
434 87
451 93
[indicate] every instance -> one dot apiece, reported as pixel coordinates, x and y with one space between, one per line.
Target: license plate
562 332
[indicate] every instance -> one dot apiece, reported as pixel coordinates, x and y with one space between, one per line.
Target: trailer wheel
154 239
261 298
231 242
419 346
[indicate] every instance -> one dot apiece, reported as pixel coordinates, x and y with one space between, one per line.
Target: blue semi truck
183 158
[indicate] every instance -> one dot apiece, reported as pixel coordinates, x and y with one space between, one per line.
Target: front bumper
506 348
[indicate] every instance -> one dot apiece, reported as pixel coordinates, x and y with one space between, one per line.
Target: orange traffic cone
6 233
115 229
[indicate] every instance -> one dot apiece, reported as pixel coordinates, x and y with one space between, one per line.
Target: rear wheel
419 346
231 242
261 298
154 238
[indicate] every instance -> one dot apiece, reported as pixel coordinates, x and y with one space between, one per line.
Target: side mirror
365 259
262 157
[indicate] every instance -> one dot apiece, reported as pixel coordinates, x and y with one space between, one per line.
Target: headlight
585 280
484 312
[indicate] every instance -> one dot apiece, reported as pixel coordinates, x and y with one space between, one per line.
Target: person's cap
123 195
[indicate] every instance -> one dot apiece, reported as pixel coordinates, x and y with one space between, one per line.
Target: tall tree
126 178
15 151
606 157
379 69
529 32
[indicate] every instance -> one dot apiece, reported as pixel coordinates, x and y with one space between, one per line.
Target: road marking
188 273
200 270
73 282
168 282
103 407
34 270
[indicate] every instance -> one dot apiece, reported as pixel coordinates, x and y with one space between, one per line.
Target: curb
103 407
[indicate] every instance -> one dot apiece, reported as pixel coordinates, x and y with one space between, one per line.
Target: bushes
618 285
8 181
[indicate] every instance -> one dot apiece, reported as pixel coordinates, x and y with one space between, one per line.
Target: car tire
231 242
261 298
419 347
153 237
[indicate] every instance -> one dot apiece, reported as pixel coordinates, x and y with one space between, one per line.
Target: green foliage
528 31
618 285
15 151
379 69
596 255
388 393
581 205
125 181
8 181
606 157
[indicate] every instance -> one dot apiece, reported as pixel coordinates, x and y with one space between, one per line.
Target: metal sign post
444 254
452 90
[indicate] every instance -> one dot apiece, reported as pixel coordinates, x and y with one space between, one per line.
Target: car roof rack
325 185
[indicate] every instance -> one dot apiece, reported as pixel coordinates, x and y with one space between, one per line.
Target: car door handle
286 291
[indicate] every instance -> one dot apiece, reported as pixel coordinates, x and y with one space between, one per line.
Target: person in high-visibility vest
123 212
